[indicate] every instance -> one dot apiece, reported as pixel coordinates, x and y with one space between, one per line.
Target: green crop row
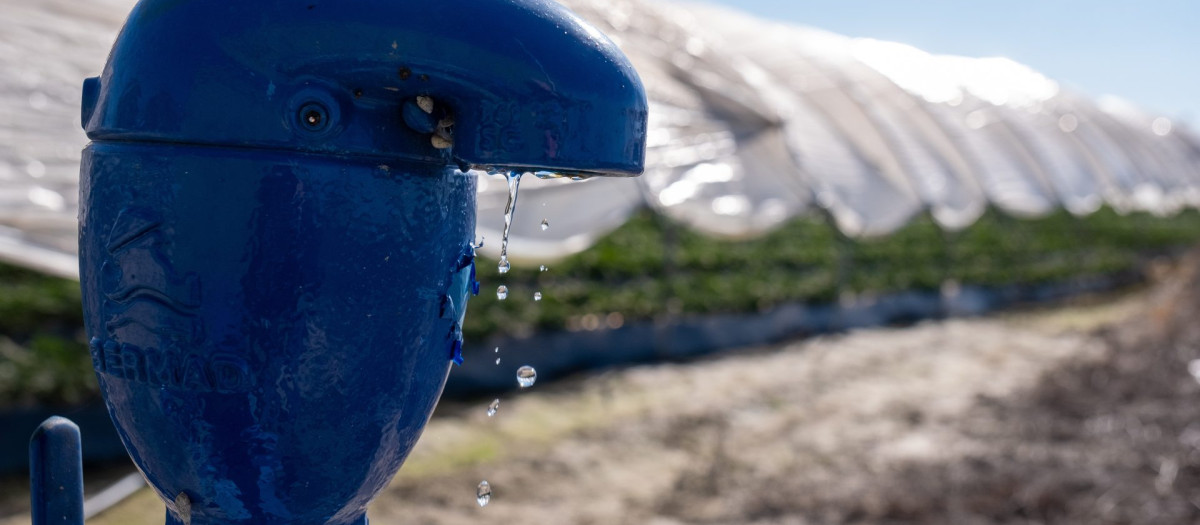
43 354
651 267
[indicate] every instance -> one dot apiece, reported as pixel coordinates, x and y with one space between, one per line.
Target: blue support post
56 473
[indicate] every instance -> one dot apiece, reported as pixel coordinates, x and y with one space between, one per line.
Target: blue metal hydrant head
276 226
512 84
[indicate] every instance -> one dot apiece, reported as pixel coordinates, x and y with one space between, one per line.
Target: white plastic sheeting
752 123
755 122
47 48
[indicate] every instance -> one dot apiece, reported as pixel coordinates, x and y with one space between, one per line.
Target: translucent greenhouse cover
752 123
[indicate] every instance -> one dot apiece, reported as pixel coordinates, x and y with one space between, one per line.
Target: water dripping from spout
514 183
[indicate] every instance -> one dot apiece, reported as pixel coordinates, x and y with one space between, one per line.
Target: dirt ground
1079 413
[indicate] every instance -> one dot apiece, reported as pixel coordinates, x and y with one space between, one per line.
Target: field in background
650 268
1075 413
43 348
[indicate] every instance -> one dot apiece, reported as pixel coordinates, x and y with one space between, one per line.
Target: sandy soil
1081 413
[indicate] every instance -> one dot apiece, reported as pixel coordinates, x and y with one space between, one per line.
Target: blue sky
1147 51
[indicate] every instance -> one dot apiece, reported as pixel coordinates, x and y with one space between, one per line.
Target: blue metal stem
56 473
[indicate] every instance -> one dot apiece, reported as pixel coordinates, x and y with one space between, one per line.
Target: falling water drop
543 268
492 408
504 265
526 375
537 296
502 292
497 361
545 224
483 493
497 350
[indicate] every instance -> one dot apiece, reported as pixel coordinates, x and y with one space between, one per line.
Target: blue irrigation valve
276 226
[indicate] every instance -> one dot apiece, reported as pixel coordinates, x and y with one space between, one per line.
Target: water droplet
545 224
537 296
497 350
502 292
514 182
483 493
504 265
543 268
526 375
497 361
492 408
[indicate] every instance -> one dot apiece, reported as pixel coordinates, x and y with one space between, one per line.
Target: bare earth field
1078 413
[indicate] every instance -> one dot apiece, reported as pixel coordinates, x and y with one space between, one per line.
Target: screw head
313 117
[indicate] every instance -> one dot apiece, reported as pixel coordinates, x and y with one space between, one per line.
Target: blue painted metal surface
526 83
271 330
56 473
276 227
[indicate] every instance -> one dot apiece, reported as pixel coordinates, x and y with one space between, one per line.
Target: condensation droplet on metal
493 407
502 292
483 493
526 376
